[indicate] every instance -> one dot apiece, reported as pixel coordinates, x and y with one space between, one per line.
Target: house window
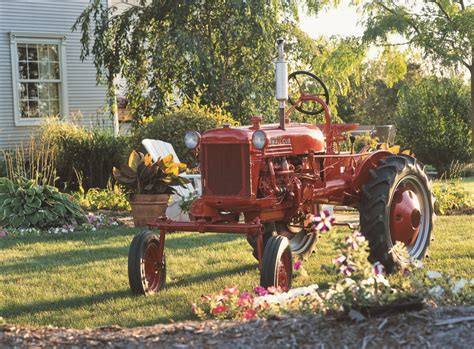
39 77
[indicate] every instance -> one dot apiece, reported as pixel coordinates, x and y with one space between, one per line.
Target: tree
433 121
222 50
443 29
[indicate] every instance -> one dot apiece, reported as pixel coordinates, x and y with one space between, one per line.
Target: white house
41 73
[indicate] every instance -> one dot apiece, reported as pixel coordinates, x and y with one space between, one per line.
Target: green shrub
113 198
433 120
172 127
93 153
451 198
25 204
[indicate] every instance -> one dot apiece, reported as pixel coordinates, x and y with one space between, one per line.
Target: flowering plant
359 285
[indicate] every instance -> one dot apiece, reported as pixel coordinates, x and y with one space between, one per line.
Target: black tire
397 174
277 264
145 276
269 230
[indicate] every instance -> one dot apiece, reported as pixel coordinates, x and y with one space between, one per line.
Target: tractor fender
361 174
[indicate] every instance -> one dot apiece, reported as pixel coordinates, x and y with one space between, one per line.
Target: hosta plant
24 204
142 175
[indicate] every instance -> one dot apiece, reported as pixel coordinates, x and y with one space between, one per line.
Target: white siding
46 16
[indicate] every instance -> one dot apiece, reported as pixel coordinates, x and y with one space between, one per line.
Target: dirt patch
437 328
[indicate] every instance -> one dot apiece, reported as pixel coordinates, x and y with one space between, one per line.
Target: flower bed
361 288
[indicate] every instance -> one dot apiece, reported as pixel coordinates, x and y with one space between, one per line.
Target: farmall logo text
279 141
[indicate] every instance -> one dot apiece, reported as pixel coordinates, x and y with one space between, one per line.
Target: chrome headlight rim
259 139
192 139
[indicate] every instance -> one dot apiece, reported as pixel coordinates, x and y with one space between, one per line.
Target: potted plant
150 184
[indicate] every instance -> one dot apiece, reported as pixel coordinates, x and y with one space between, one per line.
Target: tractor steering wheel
303 83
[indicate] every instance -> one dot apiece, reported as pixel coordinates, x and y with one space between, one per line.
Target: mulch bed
447 327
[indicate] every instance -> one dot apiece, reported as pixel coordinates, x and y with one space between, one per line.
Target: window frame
38 38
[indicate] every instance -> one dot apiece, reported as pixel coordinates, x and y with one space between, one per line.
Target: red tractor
268 182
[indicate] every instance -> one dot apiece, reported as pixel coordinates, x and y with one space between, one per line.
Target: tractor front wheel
277 263
396 205
146 272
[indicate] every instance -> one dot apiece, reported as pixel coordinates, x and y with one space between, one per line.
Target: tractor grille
226 169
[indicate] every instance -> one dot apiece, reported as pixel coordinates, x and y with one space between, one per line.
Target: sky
340 21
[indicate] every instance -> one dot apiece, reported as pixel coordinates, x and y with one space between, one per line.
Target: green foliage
34 160
186 203
142 175
91 152
25 204
451 198
433 121
113 198
171 127
224 49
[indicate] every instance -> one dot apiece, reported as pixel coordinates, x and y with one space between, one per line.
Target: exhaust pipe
281 74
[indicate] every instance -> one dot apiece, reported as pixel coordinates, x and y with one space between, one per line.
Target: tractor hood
295 139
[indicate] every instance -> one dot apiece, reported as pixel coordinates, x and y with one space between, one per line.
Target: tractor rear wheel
146 273
277 264
396 205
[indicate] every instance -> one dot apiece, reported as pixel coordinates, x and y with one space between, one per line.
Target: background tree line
223 51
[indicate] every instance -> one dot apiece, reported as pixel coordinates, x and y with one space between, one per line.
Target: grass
80 280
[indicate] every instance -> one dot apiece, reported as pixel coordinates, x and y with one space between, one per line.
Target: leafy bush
433 120
113 198
171 127
93 153
25 204
451 198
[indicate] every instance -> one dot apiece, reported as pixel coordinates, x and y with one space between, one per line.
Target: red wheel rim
409 215
152 266
284 272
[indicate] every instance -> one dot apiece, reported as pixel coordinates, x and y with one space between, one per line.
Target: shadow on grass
69 303
52 261
87 301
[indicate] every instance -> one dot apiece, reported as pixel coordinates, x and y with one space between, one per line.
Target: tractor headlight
192 139
259 139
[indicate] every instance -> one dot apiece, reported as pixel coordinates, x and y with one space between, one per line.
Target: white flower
382 280
417 263
458 286
433 274
369 281
436 291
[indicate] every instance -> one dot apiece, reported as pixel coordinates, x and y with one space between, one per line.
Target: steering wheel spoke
308 85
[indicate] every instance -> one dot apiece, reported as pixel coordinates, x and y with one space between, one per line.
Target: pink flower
339 260
379 269
347 270
206 298
297 265
3 233
91 218
323 222
358 236
219 309
194 307
245 299
274 290
231 290
221 297
406 272
261 291
249 314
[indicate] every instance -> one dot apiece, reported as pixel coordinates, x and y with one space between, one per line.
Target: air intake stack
281 72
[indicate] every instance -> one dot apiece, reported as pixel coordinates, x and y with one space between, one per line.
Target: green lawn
81 280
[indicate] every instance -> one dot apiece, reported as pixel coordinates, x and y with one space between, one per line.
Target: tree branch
393 12
463 7
442 10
